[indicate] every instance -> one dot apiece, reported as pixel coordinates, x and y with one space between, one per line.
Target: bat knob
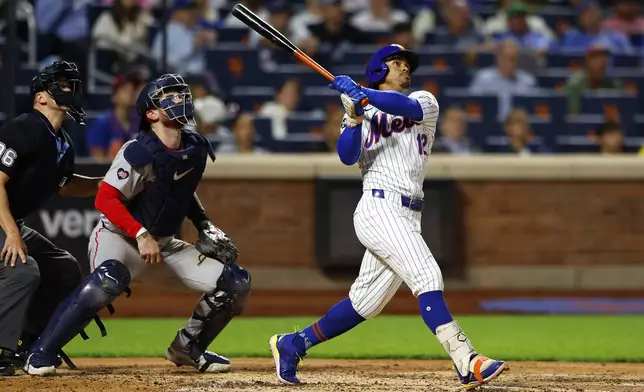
364 102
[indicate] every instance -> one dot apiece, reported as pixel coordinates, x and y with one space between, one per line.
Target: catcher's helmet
377 68
169 93
53 79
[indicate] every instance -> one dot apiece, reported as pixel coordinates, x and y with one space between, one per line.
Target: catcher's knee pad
95 292
235 282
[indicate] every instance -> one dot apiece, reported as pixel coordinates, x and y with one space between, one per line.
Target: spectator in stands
271 56
460 31
122 31
353 6
609 138
590 30
335 32
244 138
521 139
380 17
279 14
505 78
287 100
144 4
520 31
107 134
626 18
210 11
402 35
256 6
453 134
63 30
332 128
210 112
299 23
210 109
424 22
186 41
593 77
498 24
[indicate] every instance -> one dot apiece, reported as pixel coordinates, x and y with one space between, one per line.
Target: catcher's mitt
215 244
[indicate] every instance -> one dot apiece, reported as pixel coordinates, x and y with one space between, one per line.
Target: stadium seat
305 126
546 104
637 40
582 125
498 144
611 104
235 35
235 66
477 106
251 98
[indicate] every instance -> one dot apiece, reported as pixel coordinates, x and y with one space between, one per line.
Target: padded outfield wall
502 228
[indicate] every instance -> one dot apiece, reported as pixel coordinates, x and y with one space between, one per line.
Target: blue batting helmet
377 68
169 93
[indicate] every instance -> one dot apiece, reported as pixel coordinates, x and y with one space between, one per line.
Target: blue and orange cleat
287 357
483 371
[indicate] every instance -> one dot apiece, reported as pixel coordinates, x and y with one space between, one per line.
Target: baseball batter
147 193
391 139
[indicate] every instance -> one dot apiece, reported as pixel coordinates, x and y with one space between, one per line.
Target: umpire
37 161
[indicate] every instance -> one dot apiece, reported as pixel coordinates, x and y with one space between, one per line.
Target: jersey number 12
422 143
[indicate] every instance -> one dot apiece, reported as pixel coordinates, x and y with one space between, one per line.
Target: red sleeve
108 201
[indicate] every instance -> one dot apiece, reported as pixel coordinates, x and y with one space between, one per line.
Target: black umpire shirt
37 160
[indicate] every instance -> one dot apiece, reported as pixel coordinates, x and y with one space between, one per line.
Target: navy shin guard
215 310
97 291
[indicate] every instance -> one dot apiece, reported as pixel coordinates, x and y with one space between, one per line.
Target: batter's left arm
395 103
392 102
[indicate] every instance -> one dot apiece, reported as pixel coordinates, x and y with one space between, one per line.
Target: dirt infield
156 375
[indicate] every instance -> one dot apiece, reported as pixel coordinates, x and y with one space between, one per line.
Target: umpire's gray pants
17 286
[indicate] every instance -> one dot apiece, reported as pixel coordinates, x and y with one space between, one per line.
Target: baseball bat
269 32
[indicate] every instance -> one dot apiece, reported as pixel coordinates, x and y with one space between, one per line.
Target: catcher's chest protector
162 206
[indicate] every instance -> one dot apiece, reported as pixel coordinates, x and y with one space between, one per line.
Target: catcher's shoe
286 357
19 360
208 362
6 369
482 371
39 364
6 364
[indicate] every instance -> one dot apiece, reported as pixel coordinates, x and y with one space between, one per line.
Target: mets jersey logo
380 127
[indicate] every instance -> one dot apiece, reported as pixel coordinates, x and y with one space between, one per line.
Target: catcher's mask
62 81
169 93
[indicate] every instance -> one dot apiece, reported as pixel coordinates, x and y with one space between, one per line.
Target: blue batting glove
343 84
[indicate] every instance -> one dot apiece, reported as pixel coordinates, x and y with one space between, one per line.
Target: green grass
545 338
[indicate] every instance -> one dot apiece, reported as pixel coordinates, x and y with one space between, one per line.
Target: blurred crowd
516 33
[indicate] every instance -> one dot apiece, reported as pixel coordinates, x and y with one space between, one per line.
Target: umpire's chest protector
162 206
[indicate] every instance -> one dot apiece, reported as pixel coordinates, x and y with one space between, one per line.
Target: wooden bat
269 32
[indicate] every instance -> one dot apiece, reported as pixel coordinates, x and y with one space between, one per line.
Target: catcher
147 193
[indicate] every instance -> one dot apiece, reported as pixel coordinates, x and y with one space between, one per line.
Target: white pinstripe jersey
395 149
